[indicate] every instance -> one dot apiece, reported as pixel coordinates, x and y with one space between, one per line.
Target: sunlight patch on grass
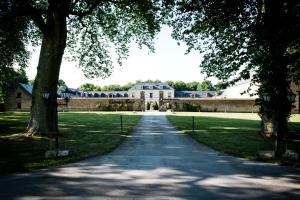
84 134
232 133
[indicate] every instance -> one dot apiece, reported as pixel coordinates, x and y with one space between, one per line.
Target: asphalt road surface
156 162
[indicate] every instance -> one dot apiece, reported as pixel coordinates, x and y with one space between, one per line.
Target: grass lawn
231 133
85 135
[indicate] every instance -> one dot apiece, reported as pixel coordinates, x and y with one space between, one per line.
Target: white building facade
151 92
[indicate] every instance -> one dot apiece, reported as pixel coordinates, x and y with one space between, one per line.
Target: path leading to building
156 162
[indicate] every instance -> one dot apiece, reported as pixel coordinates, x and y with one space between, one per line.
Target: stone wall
18 100
211 105
296 90
101 104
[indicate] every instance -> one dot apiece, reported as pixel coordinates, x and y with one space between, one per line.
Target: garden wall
210 105
101 104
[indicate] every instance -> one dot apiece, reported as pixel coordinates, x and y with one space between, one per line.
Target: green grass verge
84 134
234 134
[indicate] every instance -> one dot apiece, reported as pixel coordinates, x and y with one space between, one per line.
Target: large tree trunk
44 119
276 111
274 76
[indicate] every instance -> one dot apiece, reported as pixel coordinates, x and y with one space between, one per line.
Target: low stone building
19 99
137 97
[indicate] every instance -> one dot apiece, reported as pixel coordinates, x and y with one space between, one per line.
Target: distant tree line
177 85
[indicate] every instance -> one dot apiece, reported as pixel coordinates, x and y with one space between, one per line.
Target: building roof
151 86
196 94
239 91
26 87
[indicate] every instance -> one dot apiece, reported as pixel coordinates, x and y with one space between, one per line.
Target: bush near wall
96 104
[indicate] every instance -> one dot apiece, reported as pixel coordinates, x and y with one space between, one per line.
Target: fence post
193 124
121 119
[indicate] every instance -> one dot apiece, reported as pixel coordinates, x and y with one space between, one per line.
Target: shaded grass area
238 136
84 134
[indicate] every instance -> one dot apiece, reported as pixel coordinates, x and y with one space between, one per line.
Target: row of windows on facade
116 95
19 95
111 95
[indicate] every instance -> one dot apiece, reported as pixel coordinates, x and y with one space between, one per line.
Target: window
151 95
19 105
19 95
169 94
133 95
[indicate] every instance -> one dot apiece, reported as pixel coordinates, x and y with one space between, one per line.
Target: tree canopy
258 40
95 29
236 37
90 32
177 85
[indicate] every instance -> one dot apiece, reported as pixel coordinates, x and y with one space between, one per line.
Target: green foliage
14 31
220 86
205 86
236 36
180 85
155 106
127 86
170 83
95 29
98 88
30 82
112 88
61 83
192 85
87 87
148 106
246 39
191 107
110 25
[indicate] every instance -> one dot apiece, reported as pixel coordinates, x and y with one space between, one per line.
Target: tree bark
44 119
274 76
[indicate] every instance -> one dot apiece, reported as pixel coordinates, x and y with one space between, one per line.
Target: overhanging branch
90 9
23 8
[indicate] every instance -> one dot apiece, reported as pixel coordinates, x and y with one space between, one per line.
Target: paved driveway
156 162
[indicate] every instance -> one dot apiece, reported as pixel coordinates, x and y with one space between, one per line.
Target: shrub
148 106
155 106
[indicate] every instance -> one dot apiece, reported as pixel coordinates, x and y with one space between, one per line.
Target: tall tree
192 85
89 29
127 86
247 39
170 83
205 86
87 87
61 83
180 85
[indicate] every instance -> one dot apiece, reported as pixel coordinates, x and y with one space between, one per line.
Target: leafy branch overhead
95 28
236 37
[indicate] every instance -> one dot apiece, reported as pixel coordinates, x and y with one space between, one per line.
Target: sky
169 62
